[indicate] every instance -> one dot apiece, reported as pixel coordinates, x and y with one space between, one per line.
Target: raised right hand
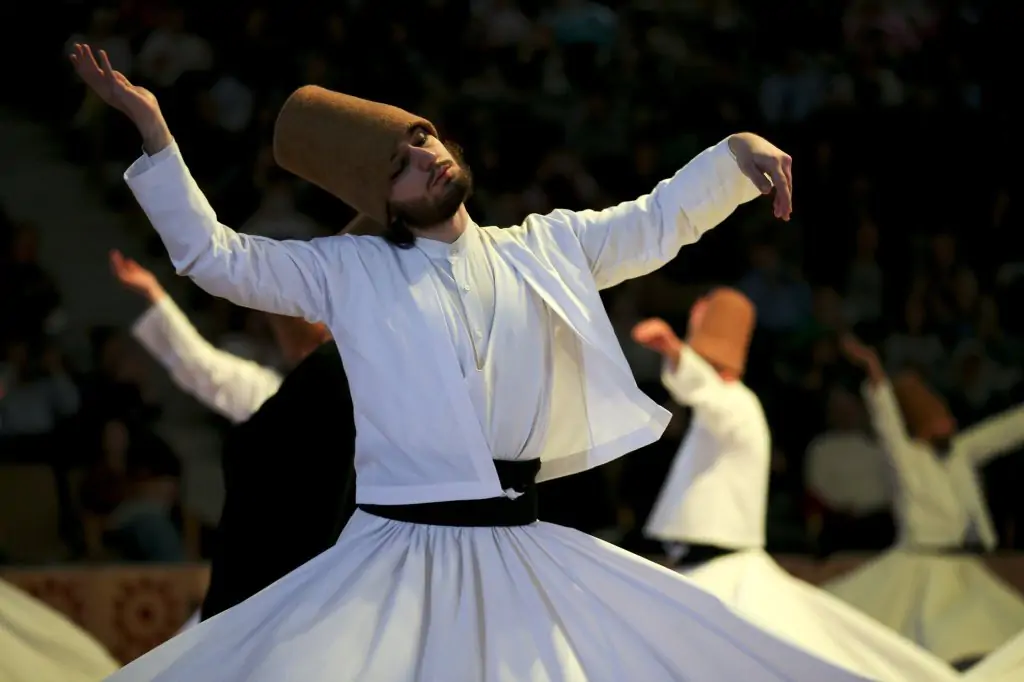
656 334
135 277
856 352
135 102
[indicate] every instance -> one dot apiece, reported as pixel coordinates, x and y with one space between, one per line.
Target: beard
434 211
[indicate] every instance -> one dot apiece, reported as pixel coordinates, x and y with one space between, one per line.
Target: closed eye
403 163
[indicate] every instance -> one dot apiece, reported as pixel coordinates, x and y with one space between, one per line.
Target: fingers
854 348
116 261
783 202
782 177
644 332
86 67
750 169
91 58
108 71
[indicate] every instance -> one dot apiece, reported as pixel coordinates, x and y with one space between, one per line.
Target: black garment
492 512
582 501
289 480
844 533
698 554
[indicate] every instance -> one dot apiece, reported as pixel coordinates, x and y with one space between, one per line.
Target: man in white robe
930 586
481 360
714 502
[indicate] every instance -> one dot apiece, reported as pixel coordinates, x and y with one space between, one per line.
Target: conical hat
344 145
921 406
723 336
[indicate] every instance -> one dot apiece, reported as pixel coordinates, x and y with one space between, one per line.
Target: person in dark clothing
289 480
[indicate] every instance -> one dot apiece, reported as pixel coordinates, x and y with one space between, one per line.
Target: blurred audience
581 104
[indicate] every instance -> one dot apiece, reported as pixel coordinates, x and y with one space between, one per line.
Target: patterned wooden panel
132 609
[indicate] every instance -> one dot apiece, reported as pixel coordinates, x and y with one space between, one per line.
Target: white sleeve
993 437
294 278
695 383
229 385
637 237
890 429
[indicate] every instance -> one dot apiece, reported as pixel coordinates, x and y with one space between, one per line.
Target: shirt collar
438 250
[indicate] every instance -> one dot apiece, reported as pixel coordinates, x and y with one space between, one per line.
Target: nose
421 158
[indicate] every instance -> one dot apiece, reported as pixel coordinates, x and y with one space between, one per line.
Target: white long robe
716 493
396 601
949 603
38 644
1005 664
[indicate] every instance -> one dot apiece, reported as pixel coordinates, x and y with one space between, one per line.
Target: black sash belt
697 554
969 548
491 512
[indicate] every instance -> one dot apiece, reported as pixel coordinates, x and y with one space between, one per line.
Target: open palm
855 351
131 274
138 103
657 335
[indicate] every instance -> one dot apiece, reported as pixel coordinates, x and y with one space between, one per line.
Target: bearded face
430 183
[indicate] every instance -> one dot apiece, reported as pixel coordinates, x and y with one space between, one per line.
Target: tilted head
720 329
925 412
431 181
385 162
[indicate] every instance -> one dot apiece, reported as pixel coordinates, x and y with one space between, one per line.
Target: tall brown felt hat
723 337
921 406
344 145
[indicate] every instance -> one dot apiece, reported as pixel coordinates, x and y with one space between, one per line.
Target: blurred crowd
907 229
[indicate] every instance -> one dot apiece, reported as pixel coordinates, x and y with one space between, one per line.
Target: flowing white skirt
1005 664
38 644
398 602
762 591
950 604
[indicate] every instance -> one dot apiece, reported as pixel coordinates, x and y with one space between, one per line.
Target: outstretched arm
993 437
689 379
283 277
638 237
883 408
288 278
229 385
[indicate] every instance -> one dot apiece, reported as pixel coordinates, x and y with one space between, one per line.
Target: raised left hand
760 160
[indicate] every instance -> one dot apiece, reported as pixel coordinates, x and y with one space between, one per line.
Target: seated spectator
128 496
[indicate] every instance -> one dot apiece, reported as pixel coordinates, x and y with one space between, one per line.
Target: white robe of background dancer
39 644
231 386
399 601
1005 664
716 493
951 604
